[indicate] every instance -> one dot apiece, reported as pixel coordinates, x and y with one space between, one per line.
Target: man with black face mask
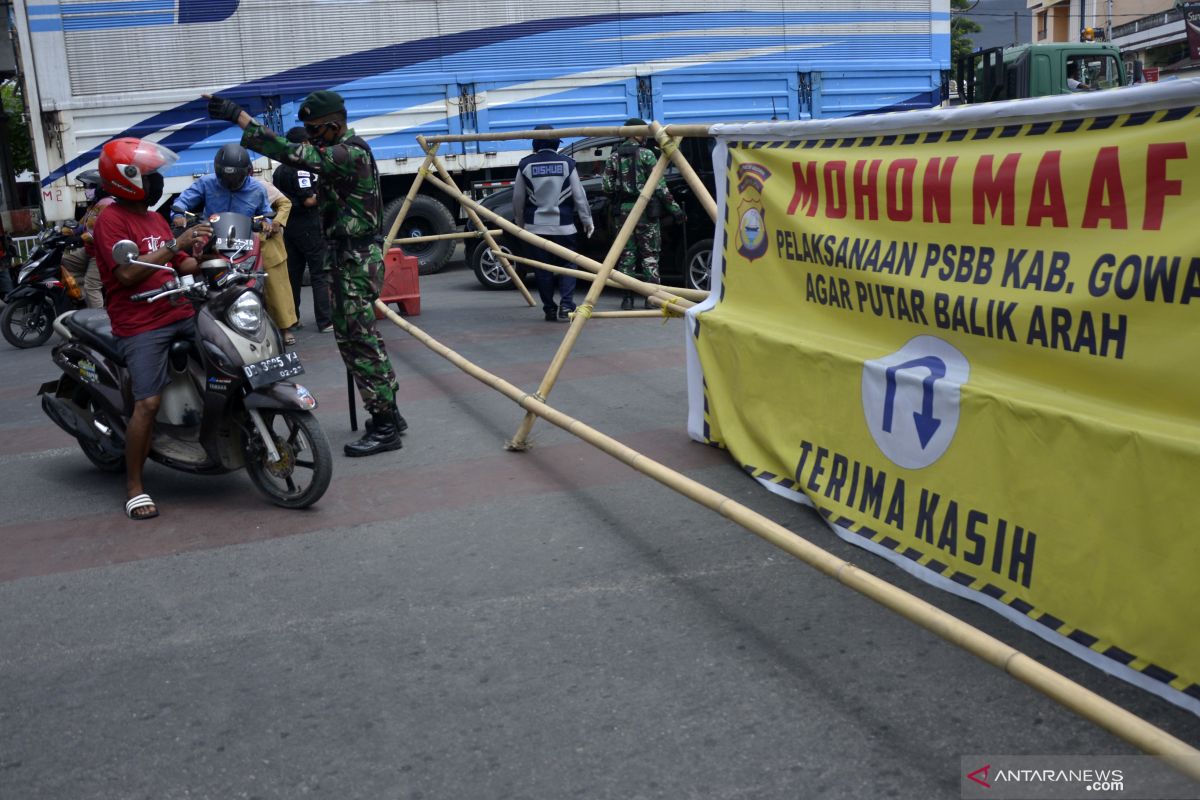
227 188
130 172
350 204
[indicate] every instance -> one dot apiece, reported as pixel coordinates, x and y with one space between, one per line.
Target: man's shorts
146 356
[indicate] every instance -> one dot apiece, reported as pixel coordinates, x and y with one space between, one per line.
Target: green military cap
321 103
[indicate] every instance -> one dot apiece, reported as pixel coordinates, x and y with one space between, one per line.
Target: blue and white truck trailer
98 69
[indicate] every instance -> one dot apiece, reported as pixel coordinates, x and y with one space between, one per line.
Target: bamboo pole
574 273
683 131
670 146
408 198
478 223
1089 705
617 314
438 237
624 131
623 280
690 294
520 440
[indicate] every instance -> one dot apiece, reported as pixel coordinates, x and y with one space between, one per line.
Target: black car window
590 156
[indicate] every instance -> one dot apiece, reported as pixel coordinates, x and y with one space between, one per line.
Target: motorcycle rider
130 172
98 200
227 188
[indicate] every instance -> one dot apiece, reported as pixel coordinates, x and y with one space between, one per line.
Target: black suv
686 249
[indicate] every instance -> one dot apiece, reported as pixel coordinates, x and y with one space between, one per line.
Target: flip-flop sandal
141 501
289 339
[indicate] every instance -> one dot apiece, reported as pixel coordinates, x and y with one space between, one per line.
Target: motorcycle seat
92 325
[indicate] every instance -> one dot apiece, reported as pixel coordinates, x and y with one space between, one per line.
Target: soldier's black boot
627 302
401 423
382 435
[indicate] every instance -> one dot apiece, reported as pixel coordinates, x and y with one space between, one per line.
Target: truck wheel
697 265
426 217
488 269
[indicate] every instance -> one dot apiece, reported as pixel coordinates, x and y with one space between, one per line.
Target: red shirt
149 231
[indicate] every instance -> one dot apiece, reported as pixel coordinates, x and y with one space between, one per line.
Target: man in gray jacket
547 195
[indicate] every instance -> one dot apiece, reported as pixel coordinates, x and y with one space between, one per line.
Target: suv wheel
488 269
697 265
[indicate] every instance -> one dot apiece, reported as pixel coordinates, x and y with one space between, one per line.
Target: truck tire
426 217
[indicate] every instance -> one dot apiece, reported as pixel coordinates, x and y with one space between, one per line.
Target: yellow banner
977 352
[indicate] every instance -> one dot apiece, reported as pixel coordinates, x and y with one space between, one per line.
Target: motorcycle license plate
272 370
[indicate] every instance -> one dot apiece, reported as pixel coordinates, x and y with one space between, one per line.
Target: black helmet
232 166
547 143
89 177
93 186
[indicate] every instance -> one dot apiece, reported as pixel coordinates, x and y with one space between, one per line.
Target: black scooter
229 402
40 294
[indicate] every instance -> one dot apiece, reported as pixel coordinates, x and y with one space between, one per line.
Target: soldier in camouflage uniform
350 207
625 174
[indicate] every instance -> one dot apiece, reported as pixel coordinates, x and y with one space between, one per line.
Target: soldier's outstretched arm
329 161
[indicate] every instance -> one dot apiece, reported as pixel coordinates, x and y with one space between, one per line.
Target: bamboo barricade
690 294
477 222
670 146
520 440
1087 704
651 290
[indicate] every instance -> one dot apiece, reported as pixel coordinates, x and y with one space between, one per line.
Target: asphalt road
455 621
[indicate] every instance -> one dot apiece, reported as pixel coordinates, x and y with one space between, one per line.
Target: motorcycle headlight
246 314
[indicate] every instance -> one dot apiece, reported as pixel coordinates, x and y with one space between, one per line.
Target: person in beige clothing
281 306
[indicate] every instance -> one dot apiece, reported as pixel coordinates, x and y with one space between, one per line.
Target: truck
1038 70
94 70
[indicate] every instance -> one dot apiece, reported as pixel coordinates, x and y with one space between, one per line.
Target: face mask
153 184
321 134
89 193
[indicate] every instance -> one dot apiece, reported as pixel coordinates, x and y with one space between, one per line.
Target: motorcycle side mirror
124 252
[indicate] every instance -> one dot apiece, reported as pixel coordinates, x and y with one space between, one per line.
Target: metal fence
24 246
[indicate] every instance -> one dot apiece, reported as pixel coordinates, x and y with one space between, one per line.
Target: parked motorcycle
44 290
229 403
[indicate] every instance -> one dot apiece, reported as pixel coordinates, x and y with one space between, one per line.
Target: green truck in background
1038 70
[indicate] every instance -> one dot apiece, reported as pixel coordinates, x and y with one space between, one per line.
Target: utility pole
1016 34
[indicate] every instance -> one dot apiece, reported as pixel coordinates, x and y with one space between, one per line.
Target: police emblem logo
752 224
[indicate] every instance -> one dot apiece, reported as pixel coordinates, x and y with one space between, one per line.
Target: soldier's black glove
222 108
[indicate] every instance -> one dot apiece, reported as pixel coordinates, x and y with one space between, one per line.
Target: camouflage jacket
627 171
348 196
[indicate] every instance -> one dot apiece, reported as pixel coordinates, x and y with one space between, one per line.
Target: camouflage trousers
357 277
639 259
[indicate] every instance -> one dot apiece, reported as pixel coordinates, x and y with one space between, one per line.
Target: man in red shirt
129 171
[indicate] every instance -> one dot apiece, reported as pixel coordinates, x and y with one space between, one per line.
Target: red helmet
123 162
